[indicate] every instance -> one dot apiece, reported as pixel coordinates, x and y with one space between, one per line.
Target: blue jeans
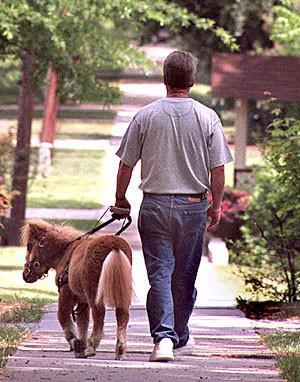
172 233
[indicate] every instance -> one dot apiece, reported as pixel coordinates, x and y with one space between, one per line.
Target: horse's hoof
80 355
90 351
120 350
79 347
72 344
119 357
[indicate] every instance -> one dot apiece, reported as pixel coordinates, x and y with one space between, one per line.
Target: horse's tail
115 282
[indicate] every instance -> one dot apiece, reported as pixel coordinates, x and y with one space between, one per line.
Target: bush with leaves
271 238
233 207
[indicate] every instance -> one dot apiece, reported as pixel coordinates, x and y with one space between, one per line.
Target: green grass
12 286
64 114
83 129
70 128
9 99
286 345
22 310
9 339
76 181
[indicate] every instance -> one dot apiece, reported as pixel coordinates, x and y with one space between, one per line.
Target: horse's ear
36 230
32 230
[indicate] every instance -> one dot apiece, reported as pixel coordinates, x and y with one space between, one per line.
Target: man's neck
177 93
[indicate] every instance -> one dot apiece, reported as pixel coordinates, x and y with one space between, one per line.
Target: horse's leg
98 313
66 303
122 316
82 321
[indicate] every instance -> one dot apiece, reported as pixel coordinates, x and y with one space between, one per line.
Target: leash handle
119 213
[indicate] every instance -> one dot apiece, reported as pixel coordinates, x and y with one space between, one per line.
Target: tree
286 27
76 38
249 21
47 134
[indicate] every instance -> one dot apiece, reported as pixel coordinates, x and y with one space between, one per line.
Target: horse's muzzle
32 272
30 276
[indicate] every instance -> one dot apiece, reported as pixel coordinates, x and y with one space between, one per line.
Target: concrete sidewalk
227 349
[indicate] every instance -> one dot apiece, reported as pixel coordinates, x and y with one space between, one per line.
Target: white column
241 133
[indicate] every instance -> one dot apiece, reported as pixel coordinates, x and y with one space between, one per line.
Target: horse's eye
36 265
29 247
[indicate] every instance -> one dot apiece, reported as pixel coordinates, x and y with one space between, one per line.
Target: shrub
233 207
271 231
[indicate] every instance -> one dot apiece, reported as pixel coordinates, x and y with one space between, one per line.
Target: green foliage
286 26
9 338
236 25
264 286
25 311
287 346
272 221
82 38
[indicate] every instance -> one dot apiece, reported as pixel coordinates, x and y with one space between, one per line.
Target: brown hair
180 70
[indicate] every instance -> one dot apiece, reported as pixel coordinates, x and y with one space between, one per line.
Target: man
183 151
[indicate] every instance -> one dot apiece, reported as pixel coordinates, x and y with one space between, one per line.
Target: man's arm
123 180
217 190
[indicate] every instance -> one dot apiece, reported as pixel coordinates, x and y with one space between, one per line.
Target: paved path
227 349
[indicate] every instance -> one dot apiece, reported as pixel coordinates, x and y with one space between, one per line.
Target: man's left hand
215 216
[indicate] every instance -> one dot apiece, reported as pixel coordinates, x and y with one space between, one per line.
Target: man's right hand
123 203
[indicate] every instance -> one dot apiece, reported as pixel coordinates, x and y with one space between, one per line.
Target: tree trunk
22 150
49 121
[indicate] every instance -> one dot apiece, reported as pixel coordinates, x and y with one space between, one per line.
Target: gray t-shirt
178 141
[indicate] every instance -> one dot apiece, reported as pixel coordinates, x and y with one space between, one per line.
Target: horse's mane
39 228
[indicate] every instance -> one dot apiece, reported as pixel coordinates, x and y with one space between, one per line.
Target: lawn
12 285
69 128
75 181
74 113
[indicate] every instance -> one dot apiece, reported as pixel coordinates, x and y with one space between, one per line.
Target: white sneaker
163 351
187 349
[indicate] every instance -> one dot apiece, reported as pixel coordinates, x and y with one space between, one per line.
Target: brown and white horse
91 273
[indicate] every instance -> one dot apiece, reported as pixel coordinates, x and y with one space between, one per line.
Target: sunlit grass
286 345
75 113
75 181
12 285
69 128
9 338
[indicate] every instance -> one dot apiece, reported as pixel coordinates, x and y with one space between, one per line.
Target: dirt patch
270 310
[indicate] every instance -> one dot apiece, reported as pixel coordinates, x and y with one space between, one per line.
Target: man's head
180 70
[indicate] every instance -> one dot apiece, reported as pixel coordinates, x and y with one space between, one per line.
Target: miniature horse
91 273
